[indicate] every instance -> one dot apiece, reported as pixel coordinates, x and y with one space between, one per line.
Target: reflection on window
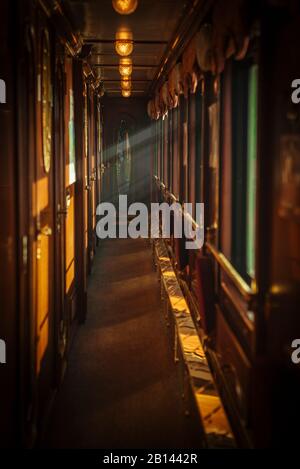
244 139
198 144
213 164
72 167
46 102
251 168
175 152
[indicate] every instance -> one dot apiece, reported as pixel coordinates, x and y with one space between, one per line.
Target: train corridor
121 388
183 117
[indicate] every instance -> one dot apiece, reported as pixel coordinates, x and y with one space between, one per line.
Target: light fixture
125 7
125 67
124 42
126 84
126 93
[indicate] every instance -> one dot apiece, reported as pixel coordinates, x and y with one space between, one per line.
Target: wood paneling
8 240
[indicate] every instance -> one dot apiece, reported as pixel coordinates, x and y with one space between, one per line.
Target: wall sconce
125 7
125 67
126 93
126 84
124 43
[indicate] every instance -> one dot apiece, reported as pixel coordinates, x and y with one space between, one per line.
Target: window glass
198 145
244 139
165 123
213 168
251 168
192 150
161 149
46 102
170 149
175 153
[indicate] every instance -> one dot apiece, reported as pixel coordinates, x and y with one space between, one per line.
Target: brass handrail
246 291
170 195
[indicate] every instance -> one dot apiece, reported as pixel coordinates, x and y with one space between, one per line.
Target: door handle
62 211
45 230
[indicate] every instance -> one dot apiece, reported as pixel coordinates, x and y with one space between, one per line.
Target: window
185 152
46 102
213 168
192 150
198 145
239 166
251 168
165 125
161 128
175 152
170 149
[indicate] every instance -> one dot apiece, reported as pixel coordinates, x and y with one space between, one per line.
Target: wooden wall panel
8 241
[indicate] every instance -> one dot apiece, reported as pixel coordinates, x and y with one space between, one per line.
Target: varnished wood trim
247 292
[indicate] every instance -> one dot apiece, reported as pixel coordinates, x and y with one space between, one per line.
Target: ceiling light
125 67
126 84
126 93
124 43
125 7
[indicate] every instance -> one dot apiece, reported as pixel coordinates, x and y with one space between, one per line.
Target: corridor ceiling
153 24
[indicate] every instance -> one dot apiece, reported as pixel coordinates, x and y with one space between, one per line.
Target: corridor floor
121 388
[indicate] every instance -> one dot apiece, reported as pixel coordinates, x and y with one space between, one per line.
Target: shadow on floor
121 388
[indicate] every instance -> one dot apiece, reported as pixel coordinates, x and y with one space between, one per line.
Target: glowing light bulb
124 43
125 67
125 7
126 93
126 84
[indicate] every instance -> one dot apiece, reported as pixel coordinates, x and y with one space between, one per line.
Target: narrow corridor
185 115
122 389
